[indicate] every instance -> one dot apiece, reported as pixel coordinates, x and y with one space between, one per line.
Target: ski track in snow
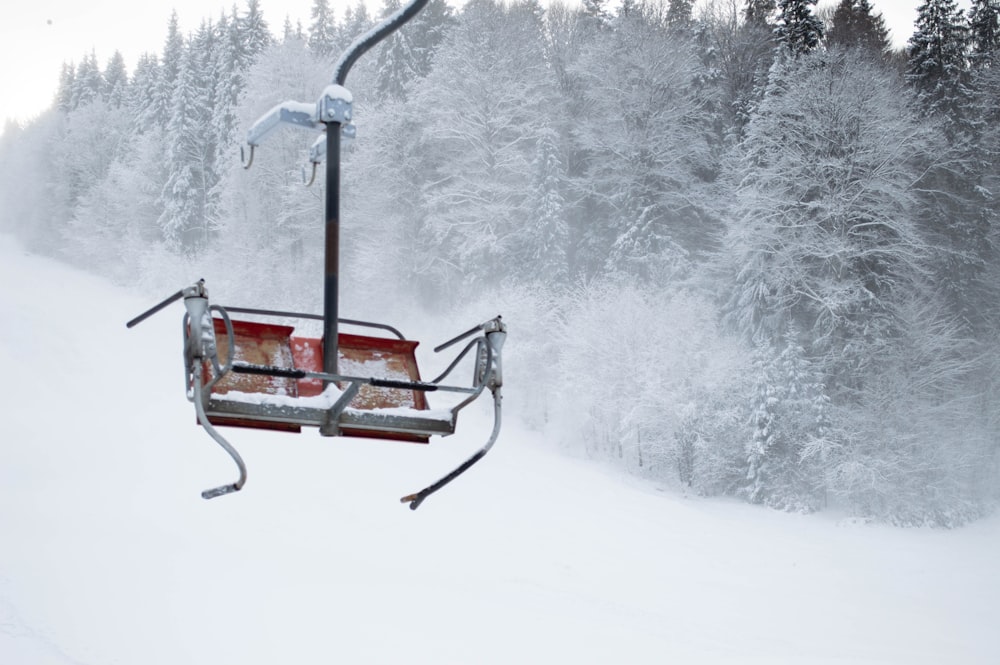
108 555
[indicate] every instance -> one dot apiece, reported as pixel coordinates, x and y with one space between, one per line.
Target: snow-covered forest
745 248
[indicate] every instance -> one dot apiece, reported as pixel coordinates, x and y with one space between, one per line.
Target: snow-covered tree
254 32
142 90
646 141
406 56
680 14
322 29
759 11
742 51
356 22
955 203
821 232
597 12
161 104
984 31
791 429
88 84
64 93
189 203
798 29
915 448
937 64
546 237
484 105
116 81
34 203
854 25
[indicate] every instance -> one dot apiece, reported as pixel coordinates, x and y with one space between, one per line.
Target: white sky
38 36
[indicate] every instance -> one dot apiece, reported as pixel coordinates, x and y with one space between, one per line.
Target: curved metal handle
312 179
247 163
418 498
199 408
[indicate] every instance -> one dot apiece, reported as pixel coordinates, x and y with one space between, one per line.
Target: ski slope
108 555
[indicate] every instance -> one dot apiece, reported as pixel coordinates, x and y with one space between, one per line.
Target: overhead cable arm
362 44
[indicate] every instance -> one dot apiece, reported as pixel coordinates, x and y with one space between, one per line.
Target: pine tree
937 66
395 65
116 81
984 32
790 417
229 76
356 22
955 192
407 55
291 32
64 94
142 91
798 29
680 14
173 51
854 25
189 198
88 84
254 33
322 29
547 238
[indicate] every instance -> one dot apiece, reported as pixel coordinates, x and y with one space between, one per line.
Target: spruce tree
173 52
254 33
937 65
790 427
322 29
356 22
951 190
145 82
189 198
854 25
547 238
229 77
407 54
116 81
64 94
984 32
88 84
798 29
680 14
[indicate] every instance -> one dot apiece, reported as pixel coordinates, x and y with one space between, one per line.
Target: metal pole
332 260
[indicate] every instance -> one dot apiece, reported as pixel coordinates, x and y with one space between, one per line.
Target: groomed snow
108 555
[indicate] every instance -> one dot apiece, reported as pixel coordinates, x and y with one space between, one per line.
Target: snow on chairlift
258 373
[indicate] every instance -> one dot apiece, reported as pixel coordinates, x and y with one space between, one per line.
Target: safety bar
314 317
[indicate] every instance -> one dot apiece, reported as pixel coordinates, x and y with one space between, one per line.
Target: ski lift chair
256 372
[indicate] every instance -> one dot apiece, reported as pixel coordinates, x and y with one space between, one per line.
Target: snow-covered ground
108 555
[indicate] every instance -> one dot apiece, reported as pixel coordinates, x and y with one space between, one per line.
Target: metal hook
311 179
247 163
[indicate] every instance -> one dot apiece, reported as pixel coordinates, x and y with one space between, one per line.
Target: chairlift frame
295 382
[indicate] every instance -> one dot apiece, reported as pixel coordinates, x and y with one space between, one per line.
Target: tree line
752 249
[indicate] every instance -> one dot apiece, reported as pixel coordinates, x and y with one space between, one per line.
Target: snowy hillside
108 555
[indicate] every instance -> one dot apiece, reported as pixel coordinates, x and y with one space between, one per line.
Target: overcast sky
38 36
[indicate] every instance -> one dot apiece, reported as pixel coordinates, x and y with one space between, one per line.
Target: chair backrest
362 356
